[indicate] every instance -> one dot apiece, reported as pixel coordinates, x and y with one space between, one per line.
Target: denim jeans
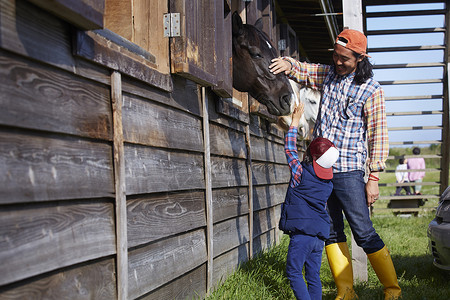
349 197
305 250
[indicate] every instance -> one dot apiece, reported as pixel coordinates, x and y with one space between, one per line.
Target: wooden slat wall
108 200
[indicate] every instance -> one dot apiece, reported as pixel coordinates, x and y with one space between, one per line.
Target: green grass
263 277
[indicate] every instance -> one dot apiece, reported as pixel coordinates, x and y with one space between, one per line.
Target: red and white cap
324 155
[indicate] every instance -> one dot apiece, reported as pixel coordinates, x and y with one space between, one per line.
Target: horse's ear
237 24
259 24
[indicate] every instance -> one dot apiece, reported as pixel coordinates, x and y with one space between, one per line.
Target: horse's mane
265 38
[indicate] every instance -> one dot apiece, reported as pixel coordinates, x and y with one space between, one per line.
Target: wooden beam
412 48
120 188
405 13
353 19
250 189
419 81
409 65
445 148
84 14
208 192
406 31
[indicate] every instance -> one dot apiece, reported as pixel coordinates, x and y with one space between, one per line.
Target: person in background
416 163
352 112
303 214
402 176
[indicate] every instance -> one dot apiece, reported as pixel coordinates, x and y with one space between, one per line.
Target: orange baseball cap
356 41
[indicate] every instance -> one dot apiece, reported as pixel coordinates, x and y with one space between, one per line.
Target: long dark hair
364 69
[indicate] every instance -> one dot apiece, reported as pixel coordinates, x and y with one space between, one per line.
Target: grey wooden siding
59 148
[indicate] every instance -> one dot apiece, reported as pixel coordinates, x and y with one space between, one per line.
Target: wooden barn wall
62 140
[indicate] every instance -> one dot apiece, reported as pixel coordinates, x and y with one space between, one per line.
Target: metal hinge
172 24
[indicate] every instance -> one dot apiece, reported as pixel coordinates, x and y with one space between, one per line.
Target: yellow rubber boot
384 268
340 263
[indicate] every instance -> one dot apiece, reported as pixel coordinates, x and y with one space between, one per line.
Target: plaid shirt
290 148
350 115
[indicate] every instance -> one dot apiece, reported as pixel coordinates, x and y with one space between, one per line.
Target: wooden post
120 188
208 192
250 189
353 19
445 146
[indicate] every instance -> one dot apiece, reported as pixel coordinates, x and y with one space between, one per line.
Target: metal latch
172 24
282 44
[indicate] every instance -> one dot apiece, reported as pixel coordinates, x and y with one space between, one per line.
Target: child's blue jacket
304 208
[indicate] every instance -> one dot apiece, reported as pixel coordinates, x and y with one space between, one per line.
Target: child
303 214
416 163
402 176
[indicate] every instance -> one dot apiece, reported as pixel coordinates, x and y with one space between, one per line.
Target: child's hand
297 114
280 65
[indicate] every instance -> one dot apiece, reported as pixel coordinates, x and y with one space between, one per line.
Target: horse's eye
254 52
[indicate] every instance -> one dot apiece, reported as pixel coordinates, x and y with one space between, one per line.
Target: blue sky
410 73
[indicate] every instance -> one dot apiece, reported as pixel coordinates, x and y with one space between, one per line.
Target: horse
311 100
252 55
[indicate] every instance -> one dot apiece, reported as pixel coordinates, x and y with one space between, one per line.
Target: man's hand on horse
280 65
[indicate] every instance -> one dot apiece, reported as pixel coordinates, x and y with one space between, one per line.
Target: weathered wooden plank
157 216
44 98
118 17
270 173
148 30
85 14
229 202
156 264
265 196
108 49
152 124
151 170
32 32
264 220
227 142
192 285
230 234
227 172
87 281
250 186
266 150
185 95
43 237
223 49
119 185
263 241
227 263
44 168
208 192
193 52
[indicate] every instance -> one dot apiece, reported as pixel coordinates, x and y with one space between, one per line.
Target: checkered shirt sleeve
377 133
311 75
290 148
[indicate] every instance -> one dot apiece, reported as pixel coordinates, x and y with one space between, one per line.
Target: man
352 112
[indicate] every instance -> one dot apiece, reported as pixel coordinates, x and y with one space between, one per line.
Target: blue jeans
305 250
349 197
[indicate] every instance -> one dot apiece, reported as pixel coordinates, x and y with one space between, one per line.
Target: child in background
416 163
303 214
402 176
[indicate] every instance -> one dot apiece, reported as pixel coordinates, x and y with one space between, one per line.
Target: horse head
311 101
252 55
